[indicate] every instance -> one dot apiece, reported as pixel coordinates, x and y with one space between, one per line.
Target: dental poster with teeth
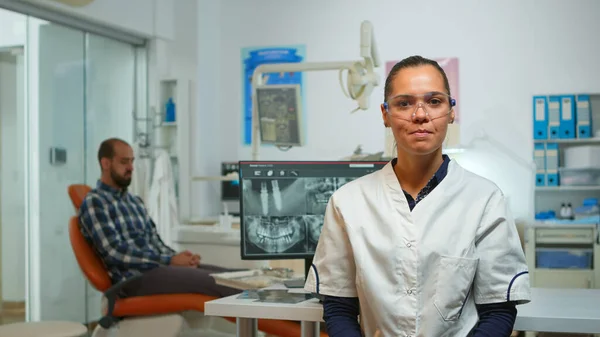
283 204
450 66
252 57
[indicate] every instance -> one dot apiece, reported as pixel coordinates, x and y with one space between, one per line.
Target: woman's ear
384 116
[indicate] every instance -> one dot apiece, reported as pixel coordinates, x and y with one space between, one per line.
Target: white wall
508 51
135 16
12 177
12 29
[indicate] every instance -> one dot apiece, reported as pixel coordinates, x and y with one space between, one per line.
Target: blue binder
539 156
553 117
584 117
567 117
552 178
540 117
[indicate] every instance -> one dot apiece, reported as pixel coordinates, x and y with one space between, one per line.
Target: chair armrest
110 297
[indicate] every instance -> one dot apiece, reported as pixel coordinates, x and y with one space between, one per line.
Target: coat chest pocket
452 286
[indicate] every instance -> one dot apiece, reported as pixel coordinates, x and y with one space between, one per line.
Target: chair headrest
77 193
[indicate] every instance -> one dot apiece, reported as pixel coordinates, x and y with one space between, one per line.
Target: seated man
125 237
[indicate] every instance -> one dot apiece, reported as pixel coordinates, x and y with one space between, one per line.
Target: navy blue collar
441 172
439 175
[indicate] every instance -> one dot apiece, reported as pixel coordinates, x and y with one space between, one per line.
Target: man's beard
122 182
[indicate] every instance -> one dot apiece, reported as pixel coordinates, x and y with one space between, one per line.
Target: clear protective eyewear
434 104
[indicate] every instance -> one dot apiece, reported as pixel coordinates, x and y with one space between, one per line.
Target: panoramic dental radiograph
314 224
274 197
286 215
276 234
273 210
318 192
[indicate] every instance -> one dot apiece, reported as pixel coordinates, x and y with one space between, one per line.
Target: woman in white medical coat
421 247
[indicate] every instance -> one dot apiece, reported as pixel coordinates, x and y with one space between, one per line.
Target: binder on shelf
584 117
540 117
567 117
552 178
539 156
553 117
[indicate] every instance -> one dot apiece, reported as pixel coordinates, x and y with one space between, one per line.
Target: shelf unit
542 235
551 197
174 136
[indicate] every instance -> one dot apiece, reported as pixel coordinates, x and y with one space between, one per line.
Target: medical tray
254 278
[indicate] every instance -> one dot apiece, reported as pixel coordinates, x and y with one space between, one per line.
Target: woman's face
419 123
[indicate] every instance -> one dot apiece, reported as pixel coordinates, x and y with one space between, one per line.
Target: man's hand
186 259
183 259
195 260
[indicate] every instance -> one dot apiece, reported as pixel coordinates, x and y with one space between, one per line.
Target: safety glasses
434 104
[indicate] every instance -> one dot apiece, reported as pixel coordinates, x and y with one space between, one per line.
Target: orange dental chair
116 308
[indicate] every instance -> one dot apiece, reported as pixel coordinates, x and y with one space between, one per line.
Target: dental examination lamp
360 83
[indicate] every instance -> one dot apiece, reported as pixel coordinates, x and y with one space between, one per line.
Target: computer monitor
282 204
230 189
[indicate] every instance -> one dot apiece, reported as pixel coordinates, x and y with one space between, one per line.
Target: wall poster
252 57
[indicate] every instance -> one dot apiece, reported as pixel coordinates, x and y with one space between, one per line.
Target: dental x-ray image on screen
283 204
276 234
319 190
274 197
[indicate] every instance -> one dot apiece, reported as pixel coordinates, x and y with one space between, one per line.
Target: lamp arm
368 46
361 76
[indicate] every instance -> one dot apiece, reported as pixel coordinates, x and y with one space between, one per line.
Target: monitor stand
299 282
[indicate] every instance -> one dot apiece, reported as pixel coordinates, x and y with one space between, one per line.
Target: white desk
551 310
247 311
561 310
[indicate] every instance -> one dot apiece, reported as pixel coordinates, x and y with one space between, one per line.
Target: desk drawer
564 258
564 235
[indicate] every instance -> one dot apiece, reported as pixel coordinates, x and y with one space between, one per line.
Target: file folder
567 117
584 117
552 178
540 117
553 117
539 156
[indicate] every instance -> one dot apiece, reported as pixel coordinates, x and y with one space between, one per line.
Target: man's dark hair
107 148
412 62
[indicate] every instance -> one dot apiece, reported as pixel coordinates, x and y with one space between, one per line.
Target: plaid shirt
122 232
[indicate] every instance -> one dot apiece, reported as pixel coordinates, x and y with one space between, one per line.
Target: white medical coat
140 182
162 201
419 273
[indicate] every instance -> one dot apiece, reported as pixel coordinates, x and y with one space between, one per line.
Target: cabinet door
563 278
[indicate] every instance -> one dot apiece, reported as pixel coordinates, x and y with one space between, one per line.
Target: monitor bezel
237 198
284 256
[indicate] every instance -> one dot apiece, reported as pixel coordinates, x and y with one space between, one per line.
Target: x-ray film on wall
279 114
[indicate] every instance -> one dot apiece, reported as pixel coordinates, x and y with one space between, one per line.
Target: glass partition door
81 90
56 139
